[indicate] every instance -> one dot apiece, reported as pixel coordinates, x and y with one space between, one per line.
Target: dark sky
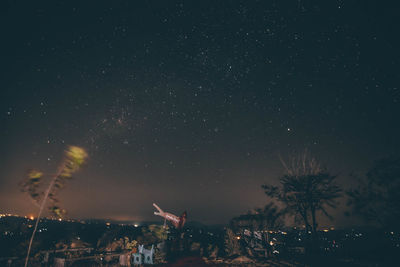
188 104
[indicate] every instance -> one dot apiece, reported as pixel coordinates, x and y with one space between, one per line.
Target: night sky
189 104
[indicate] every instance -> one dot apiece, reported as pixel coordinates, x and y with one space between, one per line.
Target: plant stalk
40 212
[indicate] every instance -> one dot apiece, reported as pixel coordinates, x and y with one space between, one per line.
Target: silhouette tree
261 219
270 218
74 158
305 190
231 243
377 197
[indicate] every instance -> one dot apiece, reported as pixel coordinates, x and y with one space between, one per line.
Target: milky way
190 104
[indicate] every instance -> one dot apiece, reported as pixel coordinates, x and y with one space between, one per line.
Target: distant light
108 224
136 225
31 217
326 230
271 243
59 219
238 237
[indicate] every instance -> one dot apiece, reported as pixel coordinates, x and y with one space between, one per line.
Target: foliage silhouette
305 190
377 198
231 243
264 219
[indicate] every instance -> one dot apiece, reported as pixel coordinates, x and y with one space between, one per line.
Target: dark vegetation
304 193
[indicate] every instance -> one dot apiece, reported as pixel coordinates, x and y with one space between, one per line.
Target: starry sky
190 103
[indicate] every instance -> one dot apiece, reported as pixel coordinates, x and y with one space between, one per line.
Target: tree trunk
314 221
314 238
307 240
306 223
267 248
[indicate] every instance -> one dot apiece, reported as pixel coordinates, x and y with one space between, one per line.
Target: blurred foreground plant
73 160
